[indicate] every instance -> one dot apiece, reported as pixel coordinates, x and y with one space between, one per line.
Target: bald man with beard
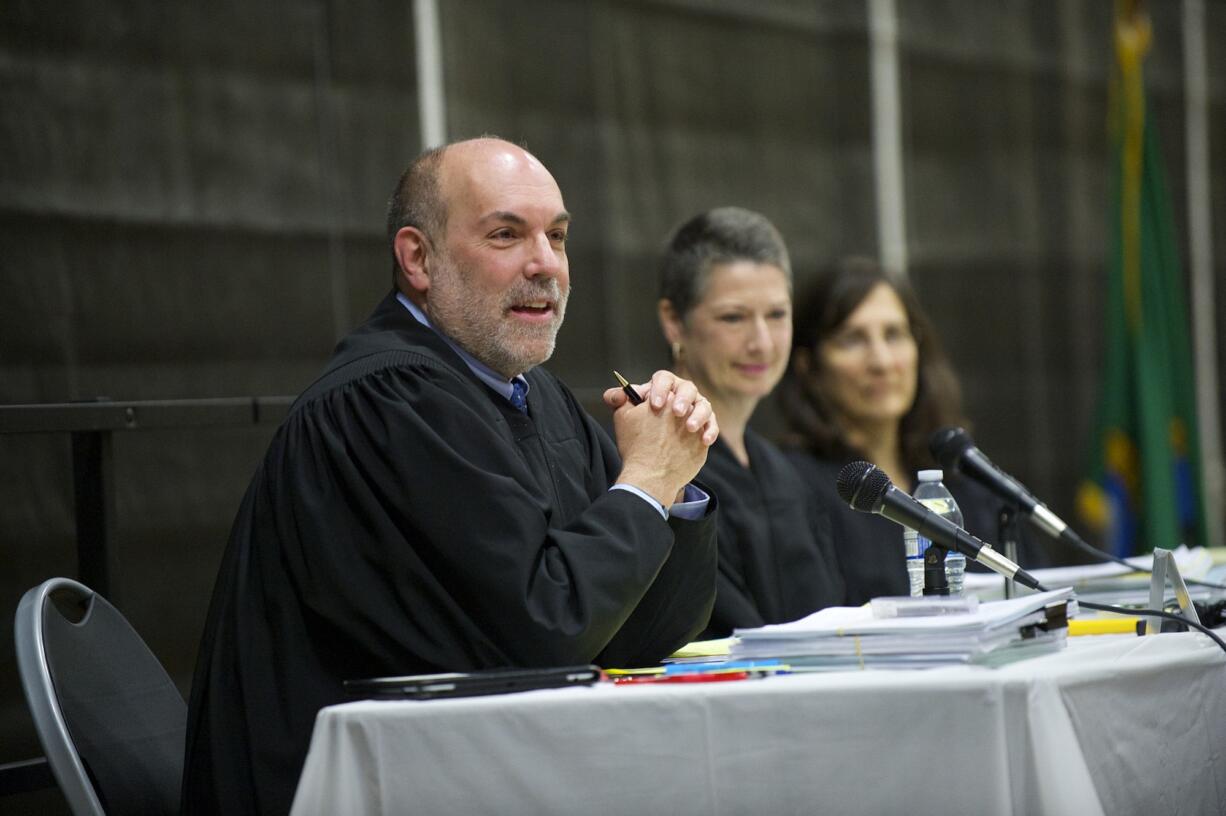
436 501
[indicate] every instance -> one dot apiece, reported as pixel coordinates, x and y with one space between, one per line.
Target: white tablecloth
1113 725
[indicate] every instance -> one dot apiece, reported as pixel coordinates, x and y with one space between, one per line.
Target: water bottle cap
931 475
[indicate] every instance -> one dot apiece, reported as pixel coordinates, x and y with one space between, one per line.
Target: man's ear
412 255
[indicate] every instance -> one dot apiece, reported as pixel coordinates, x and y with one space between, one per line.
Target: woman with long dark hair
868 380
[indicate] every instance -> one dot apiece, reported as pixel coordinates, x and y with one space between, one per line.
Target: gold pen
631 394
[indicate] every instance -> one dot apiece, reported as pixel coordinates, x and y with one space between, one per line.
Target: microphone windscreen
861 485
947 446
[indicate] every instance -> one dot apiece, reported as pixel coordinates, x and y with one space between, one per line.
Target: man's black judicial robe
407 519
870 547
776 550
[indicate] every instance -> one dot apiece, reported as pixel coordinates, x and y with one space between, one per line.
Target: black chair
109 718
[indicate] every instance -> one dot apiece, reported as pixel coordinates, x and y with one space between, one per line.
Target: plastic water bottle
933 494
915 561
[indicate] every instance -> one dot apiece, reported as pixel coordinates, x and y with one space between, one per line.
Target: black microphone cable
1161 613
1070 535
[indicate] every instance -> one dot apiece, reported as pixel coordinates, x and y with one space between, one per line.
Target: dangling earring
677 351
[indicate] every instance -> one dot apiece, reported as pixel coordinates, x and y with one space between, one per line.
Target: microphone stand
935 582
1008 530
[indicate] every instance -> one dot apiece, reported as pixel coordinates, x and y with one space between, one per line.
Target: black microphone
866 488
953 448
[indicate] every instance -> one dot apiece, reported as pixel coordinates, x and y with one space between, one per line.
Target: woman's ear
802 362
670 322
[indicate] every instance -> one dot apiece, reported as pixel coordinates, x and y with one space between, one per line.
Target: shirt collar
487 375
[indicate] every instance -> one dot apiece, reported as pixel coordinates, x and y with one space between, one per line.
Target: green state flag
1143 488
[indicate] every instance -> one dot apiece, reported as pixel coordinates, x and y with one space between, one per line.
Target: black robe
870 547
776 548
406 519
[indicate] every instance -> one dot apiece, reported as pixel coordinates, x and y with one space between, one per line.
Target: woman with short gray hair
726 310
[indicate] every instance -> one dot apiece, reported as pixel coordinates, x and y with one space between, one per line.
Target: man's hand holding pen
663 440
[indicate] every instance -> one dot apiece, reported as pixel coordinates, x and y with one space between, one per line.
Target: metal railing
92 426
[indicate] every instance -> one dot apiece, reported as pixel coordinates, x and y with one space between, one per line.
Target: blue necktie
519 395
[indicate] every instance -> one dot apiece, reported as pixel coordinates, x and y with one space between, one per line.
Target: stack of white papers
837 637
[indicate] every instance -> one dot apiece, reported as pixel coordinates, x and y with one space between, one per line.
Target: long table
1111 725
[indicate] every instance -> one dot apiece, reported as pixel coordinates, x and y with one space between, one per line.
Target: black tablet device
470 684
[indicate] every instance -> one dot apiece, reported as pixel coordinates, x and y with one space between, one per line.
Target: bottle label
940 506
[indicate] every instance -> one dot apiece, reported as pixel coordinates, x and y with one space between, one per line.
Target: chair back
110 720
